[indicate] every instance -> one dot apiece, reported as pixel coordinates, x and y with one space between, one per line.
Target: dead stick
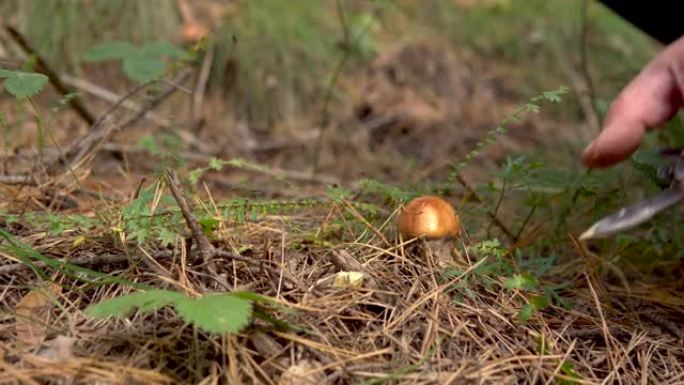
151 116
97 132
106 259
105 94
100 132
201 87
73 100
206 248
20 179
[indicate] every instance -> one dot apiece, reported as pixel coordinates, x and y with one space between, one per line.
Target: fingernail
589 148
589 155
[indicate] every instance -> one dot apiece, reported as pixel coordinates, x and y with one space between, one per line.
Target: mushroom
435 221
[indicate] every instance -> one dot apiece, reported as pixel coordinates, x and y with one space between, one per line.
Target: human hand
649 101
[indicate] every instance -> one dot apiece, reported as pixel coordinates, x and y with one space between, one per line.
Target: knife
632 216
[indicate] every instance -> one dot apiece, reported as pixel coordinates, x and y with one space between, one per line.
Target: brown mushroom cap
430 217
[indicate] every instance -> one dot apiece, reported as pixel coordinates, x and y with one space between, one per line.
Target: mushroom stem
440 251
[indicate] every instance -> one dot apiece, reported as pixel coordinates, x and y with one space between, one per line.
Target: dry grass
403 326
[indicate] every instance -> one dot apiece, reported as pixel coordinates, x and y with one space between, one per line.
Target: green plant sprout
140 63
219 313
532 106
22 85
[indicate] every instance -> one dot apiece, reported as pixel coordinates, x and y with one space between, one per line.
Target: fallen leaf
58 349
32 316
303 373
345 279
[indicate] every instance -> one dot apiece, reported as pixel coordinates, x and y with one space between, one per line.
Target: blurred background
391 82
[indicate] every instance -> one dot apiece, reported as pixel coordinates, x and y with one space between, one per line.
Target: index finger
649 101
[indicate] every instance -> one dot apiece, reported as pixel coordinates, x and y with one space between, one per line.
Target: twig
112 97
294 175
206 248
201 86
172 86
73 100
18 180
671 326
584 65
106 259
101 131
327 98
98 132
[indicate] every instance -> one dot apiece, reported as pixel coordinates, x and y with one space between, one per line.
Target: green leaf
216 313
647 162
209 225
141 64
23 85
254 297
526 313
143 68
521 282
145 301
568 369
167 237
160 49
196 174
110 51
539 301
216 164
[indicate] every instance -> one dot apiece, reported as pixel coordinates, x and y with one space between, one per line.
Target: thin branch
206 248
327 98
98 131
584 64
102 128
201 86
21 179
111 97
92 260
43 67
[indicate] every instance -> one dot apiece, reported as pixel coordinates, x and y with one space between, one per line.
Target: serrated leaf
144 301
254 297
167 237
216 313
216 163
110 51
209 225
526 313
195 175
143 68
24 84
164 49
539 301
521 282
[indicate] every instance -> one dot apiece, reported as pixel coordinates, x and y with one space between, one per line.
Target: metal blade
632 216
